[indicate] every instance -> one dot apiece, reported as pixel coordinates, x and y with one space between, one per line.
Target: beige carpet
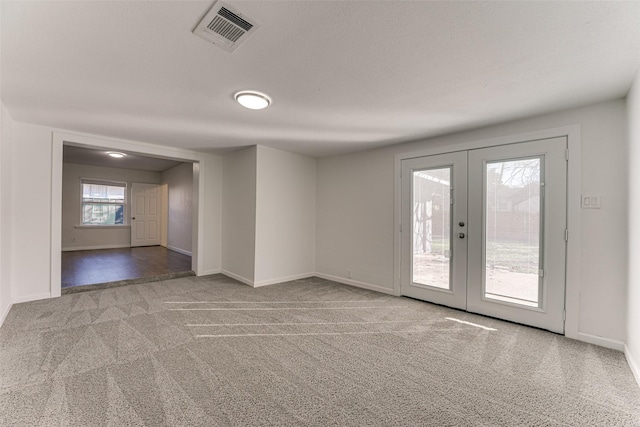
210 351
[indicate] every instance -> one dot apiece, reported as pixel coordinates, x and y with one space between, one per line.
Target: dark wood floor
109 265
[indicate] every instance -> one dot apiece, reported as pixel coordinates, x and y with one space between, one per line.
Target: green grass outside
505 255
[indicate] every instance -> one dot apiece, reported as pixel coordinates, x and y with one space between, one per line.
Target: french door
485 231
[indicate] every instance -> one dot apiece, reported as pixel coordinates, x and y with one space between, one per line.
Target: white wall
633 307
6 138
211 234
239 214
354 224
32 212
354 230
285 216
95 238
355 216
179 180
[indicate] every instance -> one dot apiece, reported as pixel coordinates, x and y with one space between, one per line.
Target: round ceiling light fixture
116 154
252 99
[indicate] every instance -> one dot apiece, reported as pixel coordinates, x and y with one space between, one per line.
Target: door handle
461 235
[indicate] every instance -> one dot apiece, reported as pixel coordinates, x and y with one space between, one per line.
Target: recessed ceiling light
116 154
253 100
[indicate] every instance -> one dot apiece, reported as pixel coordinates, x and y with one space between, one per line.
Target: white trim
176 249
210 272
574 225
60 138
397 224
491 142
574 221
107 143
237 277
601 341
101 181
633 365
164 227
4 314
91 248
197 228
102 227
282 279
125 205
55 279
356 283
34 297
255 284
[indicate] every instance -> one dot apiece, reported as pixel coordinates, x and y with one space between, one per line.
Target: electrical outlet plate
591 201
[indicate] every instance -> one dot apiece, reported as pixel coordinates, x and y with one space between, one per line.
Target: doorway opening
125 220
121 222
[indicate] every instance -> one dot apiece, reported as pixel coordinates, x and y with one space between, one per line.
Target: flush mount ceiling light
252 99
116 154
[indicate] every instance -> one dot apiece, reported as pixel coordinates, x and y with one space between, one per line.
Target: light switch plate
591 201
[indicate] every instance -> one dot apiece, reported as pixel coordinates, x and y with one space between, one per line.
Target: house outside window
103 202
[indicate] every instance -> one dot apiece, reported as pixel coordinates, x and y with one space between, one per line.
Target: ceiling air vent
225 27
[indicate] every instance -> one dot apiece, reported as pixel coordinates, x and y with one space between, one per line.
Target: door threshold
483 315
118 283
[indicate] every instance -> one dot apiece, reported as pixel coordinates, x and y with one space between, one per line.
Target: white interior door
146 214
507 216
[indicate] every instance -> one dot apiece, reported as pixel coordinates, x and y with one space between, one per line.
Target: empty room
126 218
354 213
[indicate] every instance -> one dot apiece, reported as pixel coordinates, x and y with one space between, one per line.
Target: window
103 202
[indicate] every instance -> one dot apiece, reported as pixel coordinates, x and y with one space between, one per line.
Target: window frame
111 183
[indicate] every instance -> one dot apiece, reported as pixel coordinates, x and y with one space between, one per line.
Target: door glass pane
512 231
432 227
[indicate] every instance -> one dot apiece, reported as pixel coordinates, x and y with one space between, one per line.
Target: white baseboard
91 248
601 341
344 281
182 251
4 314
282 279
635 367
209 272
355 283
33 297
238 277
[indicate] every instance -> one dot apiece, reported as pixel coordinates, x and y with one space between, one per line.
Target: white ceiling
344 76
87 156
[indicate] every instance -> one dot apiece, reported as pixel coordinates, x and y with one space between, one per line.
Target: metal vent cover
225 27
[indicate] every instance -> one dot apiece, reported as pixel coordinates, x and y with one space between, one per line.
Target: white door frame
59 139
574 218
456 295
133 213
